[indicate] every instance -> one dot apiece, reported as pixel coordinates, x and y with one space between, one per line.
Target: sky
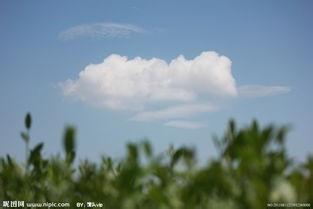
173 71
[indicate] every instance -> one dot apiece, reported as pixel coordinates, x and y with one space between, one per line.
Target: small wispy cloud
262 91
185 124
179 111
100 30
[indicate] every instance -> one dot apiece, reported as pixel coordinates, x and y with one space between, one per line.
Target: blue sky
45 45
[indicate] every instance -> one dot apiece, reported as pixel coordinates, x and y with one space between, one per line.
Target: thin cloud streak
175 112
262 91
100 30
185 124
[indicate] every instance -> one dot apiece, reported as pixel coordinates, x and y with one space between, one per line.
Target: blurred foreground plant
251 170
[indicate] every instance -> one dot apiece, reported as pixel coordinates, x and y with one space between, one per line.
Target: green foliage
69 144
251 170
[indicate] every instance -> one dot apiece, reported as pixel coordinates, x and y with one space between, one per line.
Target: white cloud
184 88
262 91
100 30
179 111
122 83
185 124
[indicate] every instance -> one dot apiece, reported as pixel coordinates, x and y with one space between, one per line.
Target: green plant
251 170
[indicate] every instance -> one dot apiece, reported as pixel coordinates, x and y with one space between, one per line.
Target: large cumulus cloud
122 83
173 92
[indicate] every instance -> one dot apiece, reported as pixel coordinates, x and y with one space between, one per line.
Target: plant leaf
28 121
